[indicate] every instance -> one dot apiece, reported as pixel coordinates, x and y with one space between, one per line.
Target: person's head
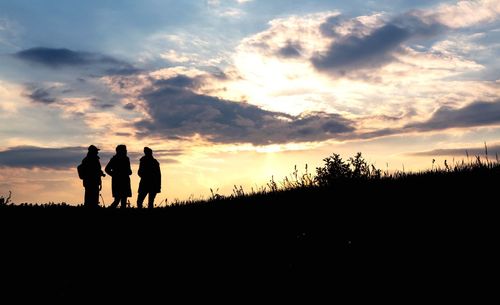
93 150
121 149
148 151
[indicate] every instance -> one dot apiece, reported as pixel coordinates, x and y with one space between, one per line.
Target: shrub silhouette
337 170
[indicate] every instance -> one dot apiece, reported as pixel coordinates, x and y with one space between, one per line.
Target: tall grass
338 172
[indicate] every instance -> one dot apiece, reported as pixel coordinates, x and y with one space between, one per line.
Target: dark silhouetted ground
405 239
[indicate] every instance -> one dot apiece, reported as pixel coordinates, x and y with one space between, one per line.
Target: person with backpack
150 184
119 170
90 172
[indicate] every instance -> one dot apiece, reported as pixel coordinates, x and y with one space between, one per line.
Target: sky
237 92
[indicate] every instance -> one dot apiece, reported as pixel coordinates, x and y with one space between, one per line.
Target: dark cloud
39 157
124 134
122 71
180 81
290 50
59 58
105 106
54 57
38 93
475 114
365 51
460 152
354 52
129 106
41 95
378 133
177 111
328 28
31 157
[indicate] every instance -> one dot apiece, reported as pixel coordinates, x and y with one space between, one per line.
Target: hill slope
356 234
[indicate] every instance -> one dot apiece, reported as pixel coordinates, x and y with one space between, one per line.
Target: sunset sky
233 92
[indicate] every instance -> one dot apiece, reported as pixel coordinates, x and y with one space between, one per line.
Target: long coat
149 171
119 169
92 171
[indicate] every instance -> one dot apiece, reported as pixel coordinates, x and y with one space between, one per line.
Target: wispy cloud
463 13
493 150
475 114
60 58
8 33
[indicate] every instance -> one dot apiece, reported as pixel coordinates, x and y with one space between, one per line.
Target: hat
148 150
93 148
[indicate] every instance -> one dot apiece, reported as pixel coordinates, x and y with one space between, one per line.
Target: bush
336 170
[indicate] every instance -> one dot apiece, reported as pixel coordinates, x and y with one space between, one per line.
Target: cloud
475 114
176 110
31 157
459 152
41 95
301 33
129 106
176 57
180 81
61 58
38 157
463 13
478 113
357 44
361 50
290 50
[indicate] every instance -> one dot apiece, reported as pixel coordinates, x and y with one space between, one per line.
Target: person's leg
91 197
88 199
123 202
95 197
140 199
151 200
115 203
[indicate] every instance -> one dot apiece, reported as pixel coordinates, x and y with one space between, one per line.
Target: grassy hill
349 229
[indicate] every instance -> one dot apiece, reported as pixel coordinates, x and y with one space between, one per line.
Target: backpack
81 171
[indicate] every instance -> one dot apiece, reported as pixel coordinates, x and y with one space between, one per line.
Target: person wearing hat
150 184
119 170
90 172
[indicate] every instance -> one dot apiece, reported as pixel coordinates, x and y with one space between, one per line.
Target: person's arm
158 172
100 169
129 168
109 167
140 172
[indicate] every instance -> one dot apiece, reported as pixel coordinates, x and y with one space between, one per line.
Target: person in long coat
119 170
91 173
150 184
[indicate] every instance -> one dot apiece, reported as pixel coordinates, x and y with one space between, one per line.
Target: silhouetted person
119 169
149 171
91 173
